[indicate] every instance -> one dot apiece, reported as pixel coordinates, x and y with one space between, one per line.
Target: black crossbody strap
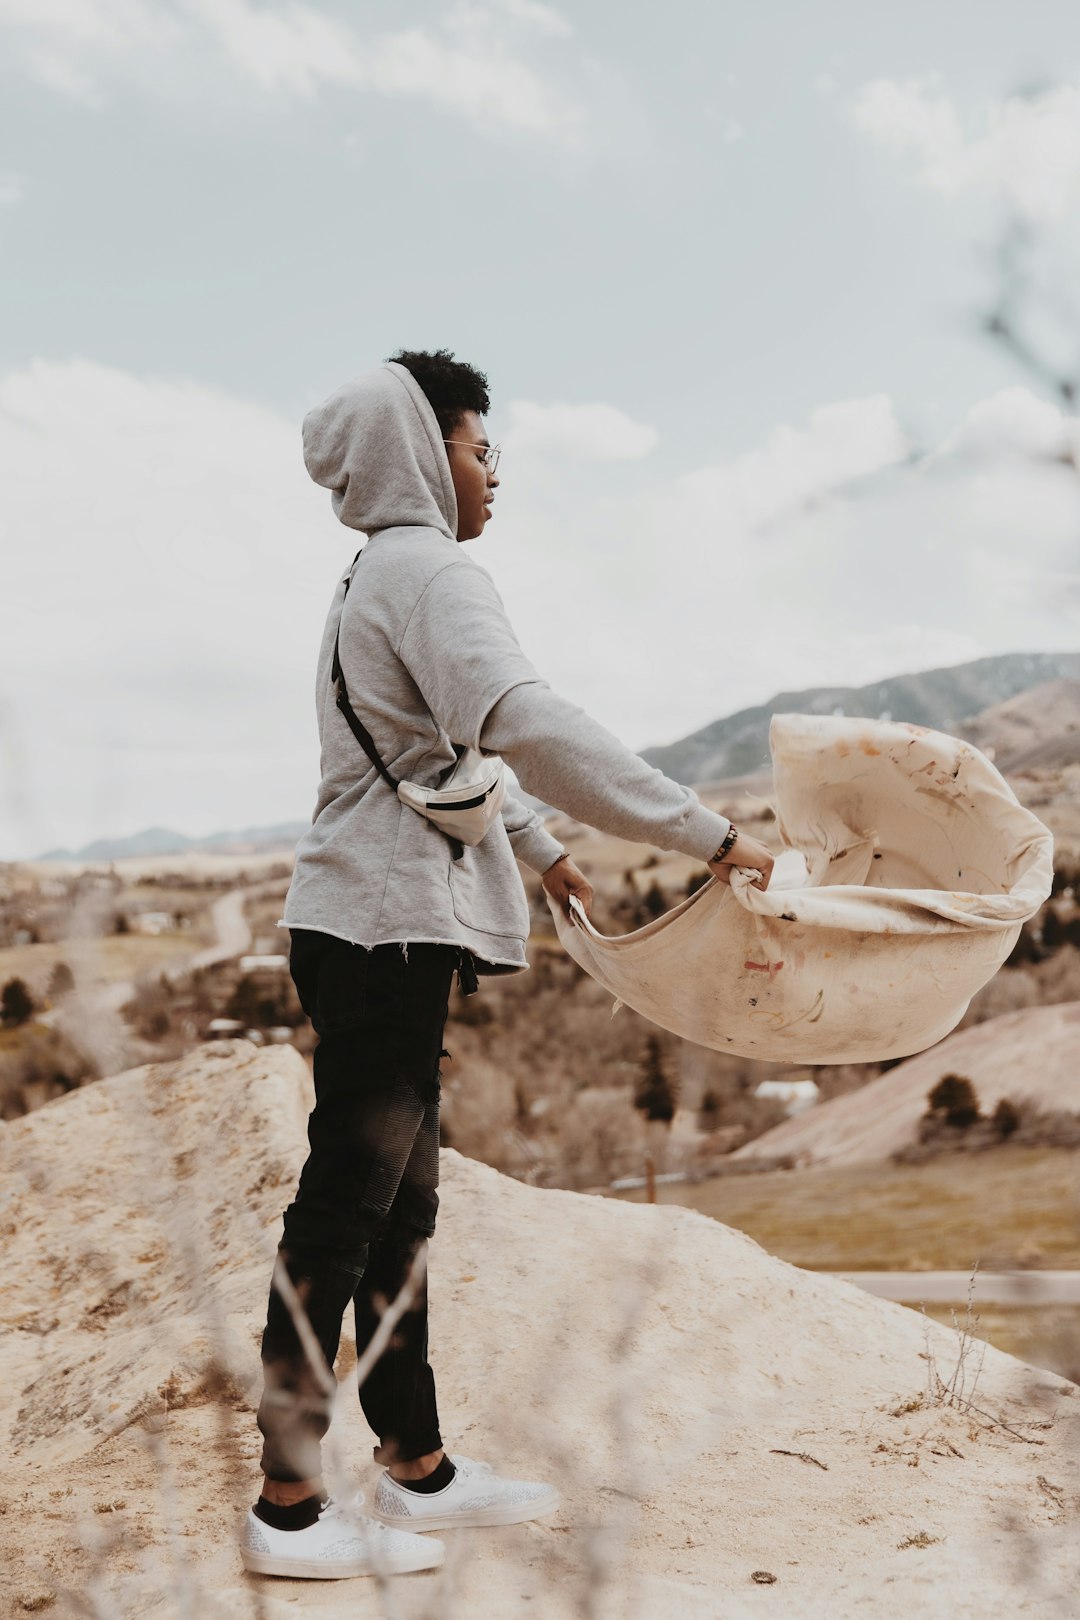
355 724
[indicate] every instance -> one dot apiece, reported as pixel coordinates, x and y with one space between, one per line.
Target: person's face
474 485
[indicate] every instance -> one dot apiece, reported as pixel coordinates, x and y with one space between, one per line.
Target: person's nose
493 482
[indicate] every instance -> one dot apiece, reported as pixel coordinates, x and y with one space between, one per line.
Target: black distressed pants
366 1200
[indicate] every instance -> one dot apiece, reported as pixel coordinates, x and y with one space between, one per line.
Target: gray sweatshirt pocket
483 898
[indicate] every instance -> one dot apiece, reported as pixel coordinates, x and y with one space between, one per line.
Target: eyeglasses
491 454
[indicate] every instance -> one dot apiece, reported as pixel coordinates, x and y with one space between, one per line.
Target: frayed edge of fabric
499 961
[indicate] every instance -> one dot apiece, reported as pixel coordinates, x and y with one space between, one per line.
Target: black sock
440 1475
296 1517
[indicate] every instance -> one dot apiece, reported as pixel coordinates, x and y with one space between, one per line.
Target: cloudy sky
726 268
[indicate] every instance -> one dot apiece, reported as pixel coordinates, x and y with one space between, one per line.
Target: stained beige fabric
909 867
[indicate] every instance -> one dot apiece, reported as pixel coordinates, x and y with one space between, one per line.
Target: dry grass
1005 1207
1044 1335
99 960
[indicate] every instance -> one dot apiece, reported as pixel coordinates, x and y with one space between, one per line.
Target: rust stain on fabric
764 967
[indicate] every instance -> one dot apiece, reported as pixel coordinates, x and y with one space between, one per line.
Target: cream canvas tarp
909 866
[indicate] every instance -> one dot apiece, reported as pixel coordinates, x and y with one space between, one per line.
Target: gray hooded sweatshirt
430 659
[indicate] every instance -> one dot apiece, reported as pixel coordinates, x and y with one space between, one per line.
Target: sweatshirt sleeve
461 651
562 755
529 838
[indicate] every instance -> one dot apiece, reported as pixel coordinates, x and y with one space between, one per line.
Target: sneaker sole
520 1513
319 1569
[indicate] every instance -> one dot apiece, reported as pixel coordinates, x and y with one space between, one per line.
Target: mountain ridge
945 698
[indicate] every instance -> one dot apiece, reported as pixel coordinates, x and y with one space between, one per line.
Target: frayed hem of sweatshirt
426 939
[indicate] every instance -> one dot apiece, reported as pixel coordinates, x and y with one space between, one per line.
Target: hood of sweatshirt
376 445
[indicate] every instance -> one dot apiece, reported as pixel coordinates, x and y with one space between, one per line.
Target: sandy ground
1030 1053
733 1436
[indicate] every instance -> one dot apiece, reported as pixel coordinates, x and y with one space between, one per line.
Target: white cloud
467 63
1025 149
843 441
1014 422
58 72
291 48
70 46
582 432
481 79
544 19
909 116
99 22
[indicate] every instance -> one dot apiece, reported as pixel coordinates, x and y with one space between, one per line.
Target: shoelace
470 1465
350 1511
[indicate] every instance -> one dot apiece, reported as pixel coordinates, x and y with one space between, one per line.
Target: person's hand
745 852
564 879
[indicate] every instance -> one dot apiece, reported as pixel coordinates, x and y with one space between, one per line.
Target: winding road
93 1016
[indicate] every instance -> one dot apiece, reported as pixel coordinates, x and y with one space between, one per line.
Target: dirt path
93 1016
231 926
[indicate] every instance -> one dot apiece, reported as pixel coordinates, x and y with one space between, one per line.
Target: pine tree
655 1094
1006 1117
61 981
16 1003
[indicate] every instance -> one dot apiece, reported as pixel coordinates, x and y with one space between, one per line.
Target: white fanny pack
468 803
469 799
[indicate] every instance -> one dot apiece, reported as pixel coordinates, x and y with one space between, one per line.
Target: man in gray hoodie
383 909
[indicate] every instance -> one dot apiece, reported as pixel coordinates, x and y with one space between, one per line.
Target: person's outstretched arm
536 848
529 838
561 754
461 650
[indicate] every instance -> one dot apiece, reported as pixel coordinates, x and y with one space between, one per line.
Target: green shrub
654 901
1006 1118
710 1112
61 981
954 1096
16 1003
1027 948
655 1094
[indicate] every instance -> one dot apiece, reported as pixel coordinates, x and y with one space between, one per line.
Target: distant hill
945 699
1030 1053
166 841
1038 729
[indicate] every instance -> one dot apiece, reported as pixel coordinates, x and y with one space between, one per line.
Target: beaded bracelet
729 838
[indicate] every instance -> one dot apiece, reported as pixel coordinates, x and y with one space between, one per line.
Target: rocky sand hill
1029 1054
733 1436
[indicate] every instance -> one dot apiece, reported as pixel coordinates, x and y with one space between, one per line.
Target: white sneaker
342 1542
475 1495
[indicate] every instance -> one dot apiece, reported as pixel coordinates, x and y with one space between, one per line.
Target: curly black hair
451 386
